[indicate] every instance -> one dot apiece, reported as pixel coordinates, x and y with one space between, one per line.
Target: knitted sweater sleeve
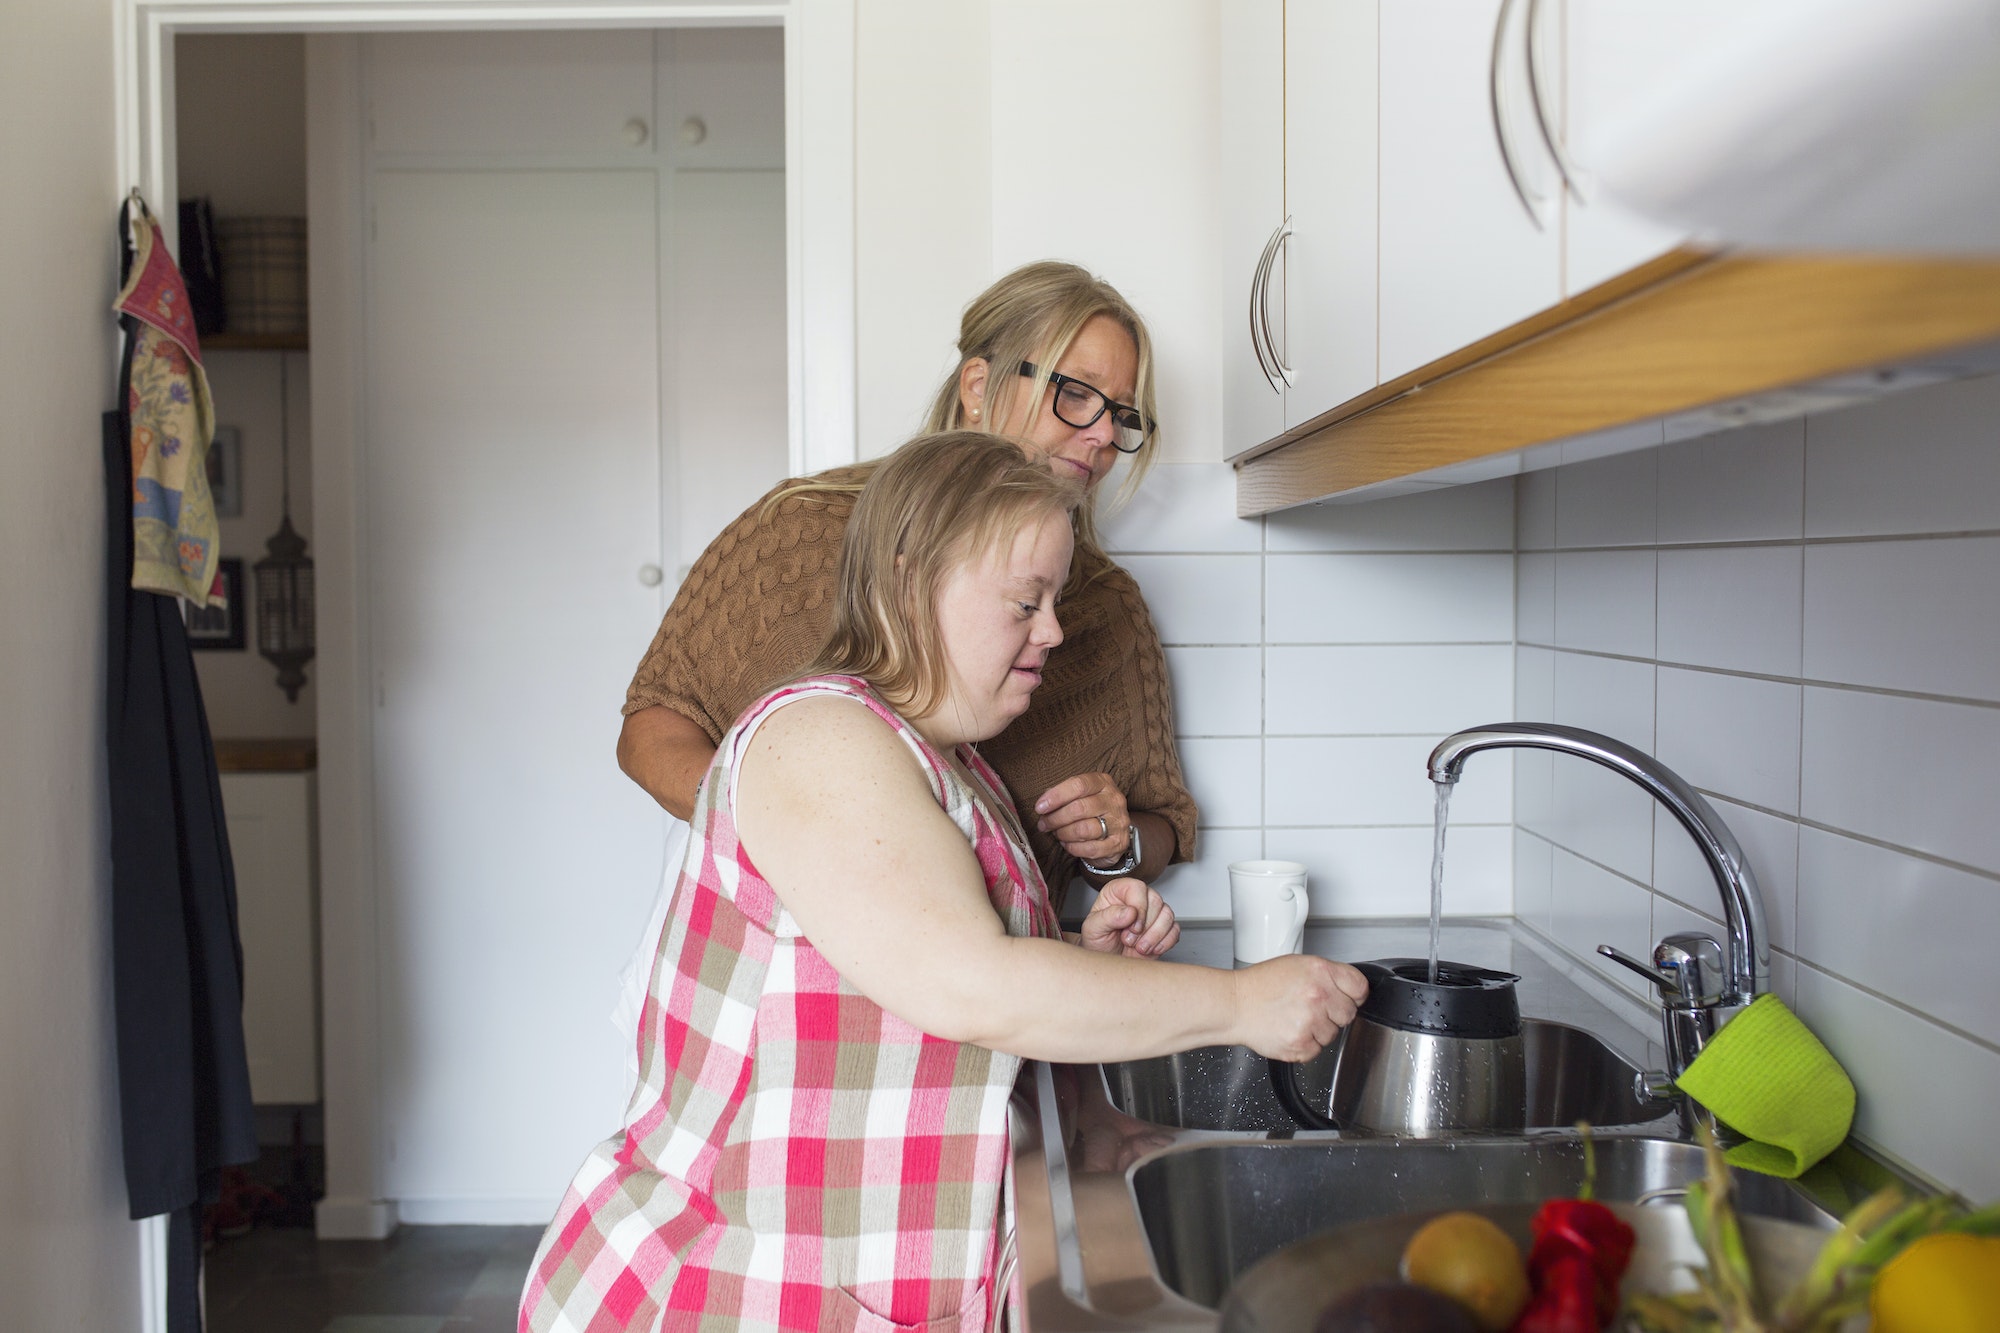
751 613
1158 785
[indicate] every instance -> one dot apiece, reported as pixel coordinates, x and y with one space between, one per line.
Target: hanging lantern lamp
285 575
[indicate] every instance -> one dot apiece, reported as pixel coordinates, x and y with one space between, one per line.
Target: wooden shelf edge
1624 287
296 755
1677 336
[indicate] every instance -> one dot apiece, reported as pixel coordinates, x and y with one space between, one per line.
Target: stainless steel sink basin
1211 1210
1572 1076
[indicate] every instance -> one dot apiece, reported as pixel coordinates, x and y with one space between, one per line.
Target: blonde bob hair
1032 314
935 504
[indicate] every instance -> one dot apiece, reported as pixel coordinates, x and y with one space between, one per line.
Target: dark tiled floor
421 1280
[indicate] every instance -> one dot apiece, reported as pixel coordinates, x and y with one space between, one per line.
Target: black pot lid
1467 1001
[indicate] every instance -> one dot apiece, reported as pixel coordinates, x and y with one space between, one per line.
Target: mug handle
1302 908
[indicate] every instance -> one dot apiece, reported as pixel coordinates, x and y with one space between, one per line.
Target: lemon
1946 1283
1468 1258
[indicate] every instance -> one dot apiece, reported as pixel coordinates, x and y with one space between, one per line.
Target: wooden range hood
1688 330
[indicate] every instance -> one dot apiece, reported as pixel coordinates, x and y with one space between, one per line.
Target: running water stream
1437 873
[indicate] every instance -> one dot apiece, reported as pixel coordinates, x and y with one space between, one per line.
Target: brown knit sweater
758 605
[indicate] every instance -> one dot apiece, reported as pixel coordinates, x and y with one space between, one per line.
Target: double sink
1148 1228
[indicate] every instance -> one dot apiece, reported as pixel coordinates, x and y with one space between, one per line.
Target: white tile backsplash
1372 780
1770 844
1535 510
1733 607
1535 598
1925 1094
1534 878
1605 601
1479 517
1589 906
1914 463
1912 772
1922 616
1761 607
1862 907
1605 694
1813 578
1376 872
1181 508
1743 485
1389 599
1378 690
1199 890
1202 599
1225 776
1609 501
1217 691
1736 736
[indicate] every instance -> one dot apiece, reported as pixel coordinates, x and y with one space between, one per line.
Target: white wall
68 1256
1802 619
964 114
240 131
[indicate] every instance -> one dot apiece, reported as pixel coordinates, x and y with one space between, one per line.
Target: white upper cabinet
1470 205
1253 214
511 93
724 96
1619 56
1330 173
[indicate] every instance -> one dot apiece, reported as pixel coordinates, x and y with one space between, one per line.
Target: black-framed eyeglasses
1079 405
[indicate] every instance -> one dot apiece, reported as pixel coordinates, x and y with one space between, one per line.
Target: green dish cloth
1767 1077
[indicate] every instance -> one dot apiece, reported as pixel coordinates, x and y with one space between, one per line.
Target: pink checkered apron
794 1157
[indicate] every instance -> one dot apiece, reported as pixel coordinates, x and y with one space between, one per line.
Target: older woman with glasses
861 951
1059 362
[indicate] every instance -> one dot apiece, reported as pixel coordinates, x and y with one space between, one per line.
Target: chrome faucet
1701 985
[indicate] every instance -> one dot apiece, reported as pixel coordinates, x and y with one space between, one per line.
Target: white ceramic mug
1267 905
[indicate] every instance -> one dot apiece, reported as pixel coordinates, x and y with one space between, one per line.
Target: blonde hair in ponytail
1032 314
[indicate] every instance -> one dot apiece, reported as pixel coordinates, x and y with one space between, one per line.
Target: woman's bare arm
667 754
837 814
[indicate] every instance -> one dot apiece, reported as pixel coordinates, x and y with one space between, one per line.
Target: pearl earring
975 414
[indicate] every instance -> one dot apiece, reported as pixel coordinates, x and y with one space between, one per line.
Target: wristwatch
1125 866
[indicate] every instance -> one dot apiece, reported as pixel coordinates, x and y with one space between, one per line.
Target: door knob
650 575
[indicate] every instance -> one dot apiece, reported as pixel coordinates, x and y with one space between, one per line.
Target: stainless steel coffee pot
1423 1058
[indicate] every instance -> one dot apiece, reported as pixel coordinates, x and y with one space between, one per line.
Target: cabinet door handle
1265 356
1544 122
1521 192
1278 239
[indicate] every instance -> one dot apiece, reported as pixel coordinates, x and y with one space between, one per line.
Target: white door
1330 173
1461 257
513 500
1253 207
1619 55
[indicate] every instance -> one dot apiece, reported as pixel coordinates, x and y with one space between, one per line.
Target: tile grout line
1845 687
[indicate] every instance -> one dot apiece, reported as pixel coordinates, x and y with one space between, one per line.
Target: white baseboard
479 1212
354 1219
153 1274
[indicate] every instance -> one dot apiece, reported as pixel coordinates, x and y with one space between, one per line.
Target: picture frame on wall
225 471
220 628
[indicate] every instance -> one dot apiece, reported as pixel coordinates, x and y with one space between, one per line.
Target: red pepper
1565 1299
1581 1250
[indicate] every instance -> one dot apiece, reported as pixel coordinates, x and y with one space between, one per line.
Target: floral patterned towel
175 538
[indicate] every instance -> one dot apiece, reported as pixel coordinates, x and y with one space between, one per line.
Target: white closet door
513 463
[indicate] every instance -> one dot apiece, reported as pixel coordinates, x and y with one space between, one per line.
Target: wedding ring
1103 829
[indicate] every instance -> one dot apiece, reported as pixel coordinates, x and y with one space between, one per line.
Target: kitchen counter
1085 1259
